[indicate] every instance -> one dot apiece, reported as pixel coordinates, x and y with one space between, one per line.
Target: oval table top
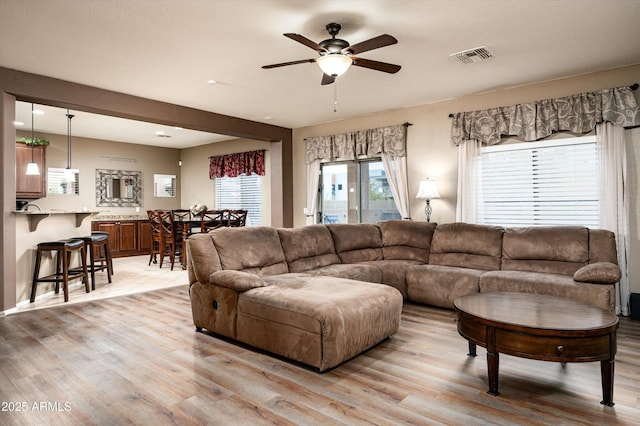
535 311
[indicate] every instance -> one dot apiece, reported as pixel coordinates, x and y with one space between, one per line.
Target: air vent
473 55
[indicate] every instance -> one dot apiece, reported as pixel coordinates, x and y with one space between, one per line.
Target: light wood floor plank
138 360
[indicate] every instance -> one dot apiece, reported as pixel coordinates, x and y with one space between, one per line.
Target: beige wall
431 154
87 156
196 186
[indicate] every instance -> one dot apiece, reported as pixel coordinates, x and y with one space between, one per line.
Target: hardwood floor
137 359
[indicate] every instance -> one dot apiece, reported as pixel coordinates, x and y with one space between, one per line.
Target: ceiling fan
336 55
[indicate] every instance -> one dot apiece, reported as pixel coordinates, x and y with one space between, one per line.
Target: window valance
233 165
536 120
359 144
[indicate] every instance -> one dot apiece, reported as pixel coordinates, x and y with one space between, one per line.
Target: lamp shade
32 168
428 190
334 64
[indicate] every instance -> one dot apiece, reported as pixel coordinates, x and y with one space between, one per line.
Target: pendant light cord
32 138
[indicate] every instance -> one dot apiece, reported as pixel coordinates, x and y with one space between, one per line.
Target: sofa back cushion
551 249
467 245
356 242
308 247
202 257
406 239
255 249
602 246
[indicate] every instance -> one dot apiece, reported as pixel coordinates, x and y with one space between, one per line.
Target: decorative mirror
118 188
63 181
164 185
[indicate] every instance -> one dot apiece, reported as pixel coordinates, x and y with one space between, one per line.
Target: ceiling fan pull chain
335 96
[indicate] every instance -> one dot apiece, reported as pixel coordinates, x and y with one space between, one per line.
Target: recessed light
38 112
211 82
159 133
177 128
268 117
18 123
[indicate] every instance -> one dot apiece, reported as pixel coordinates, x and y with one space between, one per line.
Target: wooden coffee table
541 327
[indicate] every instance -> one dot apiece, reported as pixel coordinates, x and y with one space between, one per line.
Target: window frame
539 211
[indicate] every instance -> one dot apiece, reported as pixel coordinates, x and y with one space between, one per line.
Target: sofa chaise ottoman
320 321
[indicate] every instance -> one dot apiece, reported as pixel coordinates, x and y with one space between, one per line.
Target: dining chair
237 218
213 219
183 223
162 236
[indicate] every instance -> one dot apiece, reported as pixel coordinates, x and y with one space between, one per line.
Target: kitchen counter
35 217
110 217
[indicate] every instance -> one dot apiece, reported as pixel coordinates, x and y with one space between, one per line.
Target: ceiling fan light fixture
334 64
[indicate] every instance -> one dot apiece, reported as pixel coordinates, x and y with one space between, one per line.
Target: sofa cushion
406 239
236 280
394 272
551 249
308 247
202 257
356 242
467 245
320 321
440 285
602 246
601 295
352 271
255 249
599 273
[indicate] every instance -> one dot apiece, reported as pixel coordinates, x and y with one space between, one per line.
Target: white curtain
614 201
469 179
313 179
396 170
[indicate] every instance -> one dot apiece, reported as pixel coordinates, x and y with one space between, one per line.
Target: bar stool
108 259
63 249
96 245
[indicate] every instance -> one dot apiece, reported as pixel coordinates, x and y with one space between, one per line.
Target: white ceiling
168 49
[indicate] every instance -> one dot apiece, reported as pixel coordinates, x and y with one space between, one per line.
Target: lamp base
427 210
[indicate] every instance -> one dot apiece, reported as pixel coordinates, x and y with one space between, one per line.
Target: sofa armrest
599 273
236 280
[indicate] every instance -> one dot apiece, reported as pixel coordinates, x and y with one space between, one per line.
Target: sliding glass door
356 192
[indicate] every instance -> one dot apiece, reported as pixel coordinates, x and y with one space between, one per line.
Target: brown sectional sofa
323 294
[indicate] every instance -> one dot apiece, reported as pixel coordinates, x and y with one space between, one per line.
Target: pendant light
68 173
32 167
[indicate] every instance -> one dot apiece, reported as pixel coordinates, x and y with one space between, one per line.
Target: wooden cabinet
144 237
127 237
30 187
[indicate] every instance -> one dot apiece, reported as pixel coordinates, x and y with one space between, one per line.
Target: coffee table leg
472 349
493 360
606 373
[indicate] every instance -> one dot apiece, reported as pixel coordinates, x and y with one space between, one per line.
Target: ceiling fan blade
373 43
327 79
376 65
302 39
284 64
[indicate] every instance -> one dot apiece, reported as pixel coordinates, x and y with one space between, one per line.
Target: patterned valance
537 120
233 165
359 144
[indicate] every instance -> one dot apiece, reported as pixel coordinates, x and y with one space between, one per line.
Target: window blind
240 193
542 183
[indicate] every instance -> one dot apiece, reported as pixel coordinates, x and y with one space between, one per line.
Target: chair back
213 219
166 223
237 218
181 215
154 221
